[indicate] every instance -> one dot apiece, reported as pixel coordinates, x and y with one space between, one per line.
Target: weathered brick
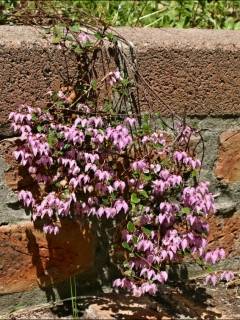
29 258
196 71
224 233
228 163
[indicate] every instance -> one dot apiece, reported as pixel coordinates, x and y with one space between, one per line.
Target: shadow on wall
77 250
60 256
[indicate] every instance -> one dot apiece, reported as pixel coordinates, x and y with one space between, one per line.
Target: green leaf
57 184
111 37
125 82
143 193
146 178
34 117
194 173
134 198
126 246
52 138
94 84
77 50
75 28
131 227
135 174
135 239
56 39
105 201
146 128
146 231
210 269
39 128
185 210
99 36
113 196
128 273
66 146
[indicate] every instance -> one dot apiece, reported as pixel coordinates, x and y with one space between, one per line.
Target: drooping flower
26 197
121 205
114 77
83 37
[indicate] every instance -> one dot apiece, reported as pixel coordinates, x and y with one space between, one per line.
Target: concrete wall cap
181 38
145 37
15 36
193 71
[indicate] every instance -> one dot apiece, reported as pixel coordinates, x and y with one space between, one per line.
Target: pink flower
119 185
130 121
121 205
62 96
126 236
110 212
100 212
90 166
214 256
91 157
164 174
211 279
144 245
96 122
164 255
149 273
156 168
161 277
83 37
117 283
179 156
114 77
74 135
227 276
149 288
174 180
184 244
26 197
119 136
50 229
160 186
140 165
137 291
103 175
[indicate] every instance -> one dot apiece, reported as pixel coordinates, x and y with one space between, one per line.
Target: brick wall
193 71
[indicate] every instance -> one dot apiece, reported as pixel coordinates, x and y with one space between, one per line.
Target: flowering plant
117 166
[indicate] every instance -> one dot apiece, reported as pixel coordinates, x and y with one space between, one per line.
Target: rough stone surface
192 301
24 299
225 206
196 71
225 233
123 307
29 67
228 164
10 209
29 258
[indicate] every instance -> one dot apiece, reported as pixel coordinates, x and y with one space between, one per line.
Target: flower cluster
213 279
91 167
114 77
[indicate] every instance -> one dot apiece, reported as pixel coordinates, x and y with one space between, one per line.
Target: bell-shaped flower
121 205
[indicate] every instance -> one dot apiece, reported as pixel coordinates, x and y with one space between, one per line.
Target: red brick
228 164
224 233
29 258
